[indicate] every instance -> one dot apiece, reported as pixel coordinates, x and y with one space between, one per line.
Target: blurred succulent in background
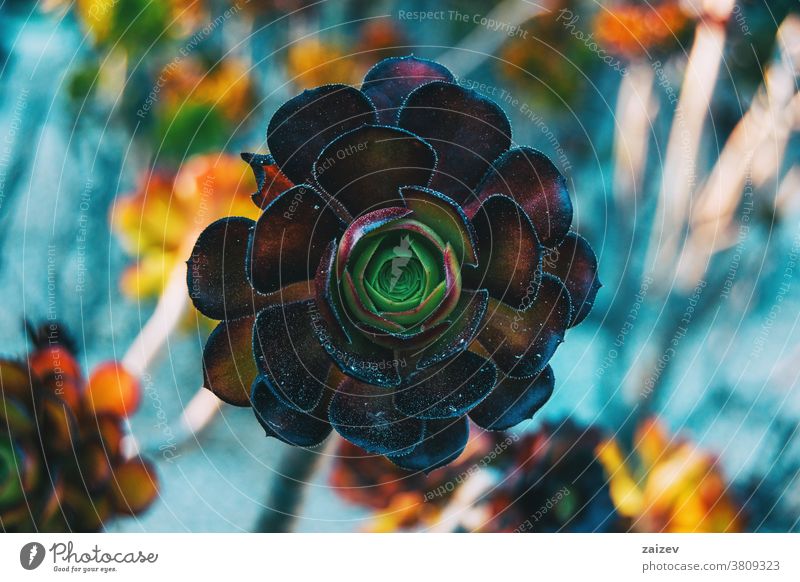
669 485
199 106
134 25
418 273
158 222
547 64
551 482
564 48
402 500
143 61
223 85
62 467
276 8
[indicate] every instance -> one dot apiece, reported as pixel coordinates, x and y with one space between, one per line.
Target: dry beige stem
679 174
758 141
462 503
155 332
636 108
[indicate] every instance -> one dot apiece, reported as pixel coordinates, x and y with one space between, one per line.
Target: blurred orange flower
670 487
381 39
159 222
632 29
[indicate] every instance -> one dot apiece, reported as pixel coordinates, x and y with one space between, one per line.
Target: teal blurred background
97 95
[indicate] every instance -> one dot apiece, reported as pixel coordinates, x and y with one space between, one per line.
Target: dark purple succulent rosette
552 482
410 270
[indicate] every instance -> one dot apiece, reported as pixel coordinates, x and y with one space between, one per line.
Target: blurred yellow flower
159 222
671 487
311 62
109 20
303 8
406 510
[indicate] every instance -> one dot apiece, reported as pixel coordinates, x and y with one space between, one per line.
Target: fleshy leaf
286 423
366 416
111 389
304 125
449 390
353 353
466 320
363 226
57 369
14 380
529 177
288 354
270 180
514 400
521 343
390 81
59 425
443 443
12 491
415 338
468 132
111 433
228 364
364 168
359 311
366 251
452 281
289 239
215 274
509 253
422 310
94 465
446 217
16 417
135 486
575 263
399 273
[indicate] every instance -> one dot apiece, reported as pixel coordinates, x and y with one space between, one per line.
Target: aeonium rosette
410 270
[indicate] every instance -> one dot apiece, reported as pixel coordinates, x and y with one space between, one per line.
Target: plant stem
463 503
287 491
680 163
155 332
171 307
